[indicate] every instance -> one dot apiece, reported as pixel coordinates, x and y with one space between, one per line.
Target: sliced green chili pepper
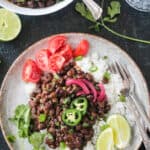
80 104
71 117
78 58
106 76
42 117
85 125
93 68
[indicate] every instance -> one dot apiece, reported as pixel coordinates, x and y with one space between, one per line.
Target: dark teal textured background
131 22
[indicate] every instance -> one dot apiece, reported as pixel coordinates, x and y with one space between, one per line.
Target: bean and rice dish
52 97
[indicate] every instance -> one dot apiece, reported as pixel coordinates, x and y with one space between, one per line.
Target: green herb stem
124 36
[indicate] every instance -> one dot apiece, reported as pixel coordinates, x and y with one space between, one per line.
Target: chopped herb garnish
37 139
105 57
66 100
91 118
103 127
11 138
93 68
85 125
56 76
105 117
49 136
41 148
78 58
42 117
22 119
71 130
122 98
57 124
62 146
106 76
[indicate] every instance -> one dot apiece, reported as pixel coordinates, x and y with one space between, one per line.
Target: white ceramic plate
34 12
13 93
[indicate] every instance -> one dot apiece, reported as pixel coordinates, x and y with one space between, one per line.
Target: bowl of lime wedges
34 7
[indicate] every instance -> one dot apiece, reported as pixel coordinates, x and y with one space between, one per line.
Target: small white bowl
34 12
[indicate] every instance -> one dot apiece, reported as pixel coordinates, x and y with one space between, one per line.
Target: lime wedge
121 130
10 25
105 140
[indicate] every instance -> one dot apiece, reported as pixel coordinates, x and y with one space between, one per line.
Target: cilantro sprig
113 10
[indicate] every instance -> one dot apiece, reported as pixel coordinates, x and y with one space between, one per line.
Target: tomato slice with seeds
82 49
56 62
42 59
56 43
67 52
31 72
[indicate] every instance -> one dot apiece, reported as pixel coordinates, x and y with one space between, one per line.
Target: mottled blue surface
131 22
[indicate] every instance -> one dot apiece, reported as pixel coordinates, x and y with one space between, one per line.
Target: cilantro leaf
114 9
22 119
107 19
11 138
81 8
62 146
50 136
36 139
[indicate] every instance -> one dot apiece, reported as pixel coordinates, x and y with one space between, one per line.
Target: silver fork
129 91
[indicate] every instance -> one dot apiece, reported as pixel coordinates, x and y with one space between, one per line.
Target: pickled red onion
79 83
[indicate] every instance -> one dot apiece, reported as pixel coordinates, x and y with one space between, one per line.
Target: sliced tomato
67 52
56 43
31 72
42 59
82 49
56 62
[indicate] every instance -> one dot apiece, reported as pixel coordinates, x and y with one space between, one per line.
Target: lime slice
10 25
121 130
105 140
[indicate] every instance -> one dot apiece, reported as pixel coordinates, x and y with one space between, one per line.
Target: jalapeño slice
71 117
80 104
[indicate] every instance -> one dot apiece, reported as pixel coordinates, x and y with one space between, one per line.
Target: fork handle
141 112
144 135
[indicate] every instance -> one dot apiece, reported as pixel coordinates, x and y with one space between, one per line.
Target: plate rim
70 33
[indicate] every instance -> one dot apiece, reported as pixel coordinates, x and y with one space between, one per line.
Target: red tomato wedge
82 49
67 52
56 43
42 59
31 72
56 62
